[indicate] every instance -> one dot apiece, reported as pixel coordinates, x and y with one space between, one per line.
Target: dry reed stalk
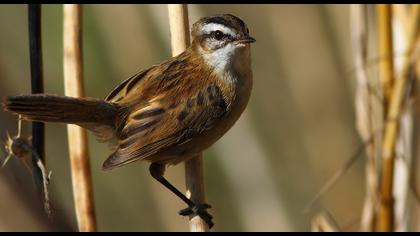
405 145
324 222
78 147
414 217
367 109
386 215
180 40
386 67
400 12
195 190
386 64
179 27
417 53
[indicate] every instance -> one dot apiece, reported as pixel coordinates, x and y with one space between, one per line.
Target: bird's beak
246 40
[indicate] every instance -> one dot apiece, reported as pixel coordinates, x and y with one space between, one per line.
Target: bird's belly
184 151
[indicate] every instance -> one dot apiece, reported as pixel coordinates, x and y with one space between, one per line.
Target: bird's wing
122 90
168 120
152 82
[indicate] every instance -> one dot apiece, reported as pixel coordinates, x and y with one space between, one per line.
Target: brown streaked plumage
169 112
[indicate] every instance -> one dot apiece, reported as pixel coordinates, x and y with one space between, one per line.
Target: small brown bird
169 112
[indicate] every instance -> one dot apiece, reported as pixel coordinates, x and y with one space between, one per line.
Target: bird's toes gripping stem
200 210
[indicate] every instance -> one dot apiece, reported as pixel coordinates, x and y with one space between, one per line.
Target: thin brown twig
341 172
77 139
324 222
21 148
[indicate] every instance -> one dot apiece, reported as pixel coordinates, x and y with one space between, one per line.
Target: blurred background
297 131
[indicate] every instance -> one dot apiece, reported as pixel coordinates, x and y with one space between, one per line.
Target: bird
169 112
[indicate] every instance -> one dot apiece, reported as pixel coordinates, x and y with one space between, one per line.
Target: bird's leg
157 171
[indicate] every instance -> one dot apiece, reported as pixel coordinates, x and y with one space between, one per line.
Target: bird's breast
241 86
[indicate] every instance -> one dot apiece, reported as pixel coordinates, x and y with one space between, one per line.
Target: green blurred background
298 129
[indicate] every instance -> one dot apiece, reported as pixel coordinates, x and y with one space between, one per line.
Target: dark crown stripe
218 20
227 20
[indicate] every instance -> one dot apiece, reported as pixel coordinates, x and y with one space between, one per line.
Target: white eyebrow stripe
214 26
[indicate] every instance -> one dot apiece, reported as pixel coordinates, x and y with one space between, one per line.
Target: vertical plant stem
35 47
386 76
180 40
195 190
403 166
386 64
399 90
367 109
179 27
78 147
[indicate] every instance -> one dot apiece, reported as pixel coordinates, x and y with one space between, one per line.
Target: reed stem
386 66
180 40
77 139
385 216
367 109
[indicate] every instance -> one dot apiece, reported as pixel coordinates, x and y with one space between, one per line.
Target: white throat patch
220 58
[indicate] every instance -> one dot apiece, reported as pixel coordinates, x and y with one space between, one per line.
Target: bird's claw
200 210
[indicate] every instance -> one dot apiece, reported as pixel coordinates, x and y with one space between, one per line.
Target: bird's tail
52 108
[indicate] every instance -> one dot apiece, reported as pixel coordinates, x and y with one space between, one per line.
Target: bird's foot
200 210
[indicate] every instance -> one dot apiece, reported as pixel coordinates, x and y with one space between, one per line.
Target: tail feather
52 108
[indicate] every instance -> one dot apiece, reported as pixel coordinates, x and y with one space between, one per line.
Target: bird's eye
218 35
